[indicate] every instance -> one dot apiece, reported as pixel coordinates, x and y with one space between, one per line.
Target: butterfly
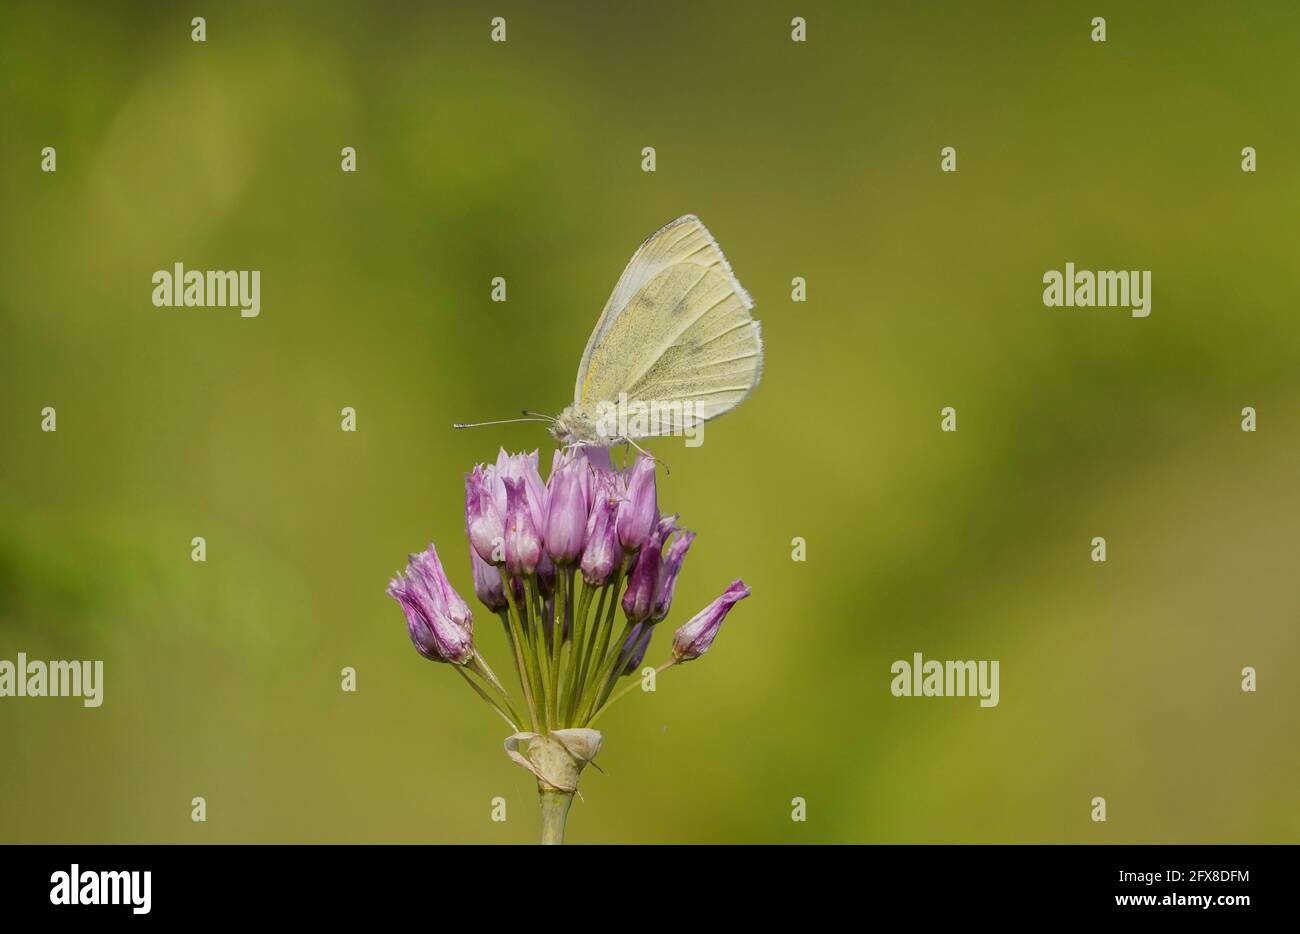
675 346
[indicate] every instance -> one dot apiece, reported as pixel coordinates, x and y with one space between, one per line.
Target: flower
696 635
671 565
524 467
485 513
634 647
567 508
439 621
643 580
527 539
639 508
523 541
546 575
602 555
487 584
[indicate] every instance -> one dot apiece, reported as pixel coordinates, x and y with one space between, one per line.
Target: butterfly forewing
676 329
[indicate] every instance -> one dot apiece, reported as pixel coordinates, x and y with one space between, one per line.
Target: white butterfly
676 337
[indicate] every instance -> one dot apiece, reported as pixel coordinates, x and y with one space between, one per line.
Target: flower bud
601 555
671 565
487 584
484 513
639 509
524 467
568 504
638 641
546 576
438 620
696 635
638 599
644 576
522 540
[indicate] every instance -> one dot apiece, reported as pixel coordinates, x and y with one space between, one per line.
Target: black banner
181 883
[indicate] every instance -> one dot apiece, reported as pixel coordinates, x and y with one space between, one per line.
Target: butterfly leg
644 453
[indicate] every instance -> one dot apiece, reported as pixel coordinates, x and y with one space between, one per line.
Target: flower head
695 636
438 620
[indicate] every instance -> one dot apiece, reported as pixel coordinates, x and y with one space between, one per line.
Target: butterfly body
579 425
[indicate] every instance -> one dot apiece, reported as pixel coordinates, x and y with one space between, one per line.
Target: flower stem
487 697
580 682
541 651
562 580
577 640
601 646
479 666
555 811
605 675
527 677
643 640
627 690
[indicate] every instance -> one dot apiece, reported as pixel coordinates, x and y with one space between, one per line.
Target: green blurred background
522 160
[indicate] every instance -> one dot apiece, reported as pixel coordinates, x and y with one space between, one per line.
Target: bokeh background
523 160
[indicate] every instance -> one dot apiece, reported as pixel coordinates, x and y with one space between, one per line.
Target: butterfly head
576 425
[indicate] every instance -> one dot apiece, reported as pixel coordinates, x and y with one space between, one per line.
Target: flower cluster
557 561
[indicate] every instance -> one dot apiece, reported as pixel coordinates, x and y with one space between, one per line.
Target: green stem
487 697
523 659
541 653
575 650
627 690
580 683
479 666
557 640
643 640
555 811
605 629
520 667
597 686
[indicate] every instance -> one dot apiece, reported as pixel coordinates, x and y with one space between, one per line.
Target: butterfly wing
676 329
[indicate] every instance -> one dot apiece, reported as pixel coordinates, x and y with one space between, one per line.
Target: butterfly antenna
549 418
500 421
